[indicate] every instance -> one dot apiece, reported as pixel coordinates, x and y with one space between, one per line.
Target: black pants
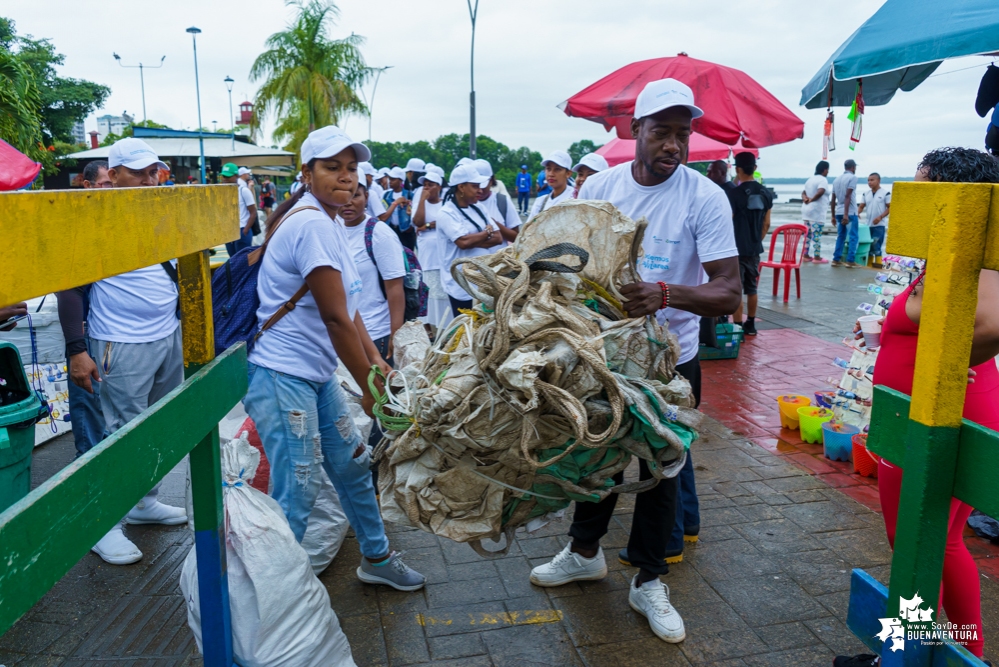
522 199
407 238
456 304
655 509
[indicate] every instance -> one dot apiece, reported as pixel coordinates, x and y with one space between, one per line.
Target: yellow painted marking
55 240
914 205
956 217
530 617
198 328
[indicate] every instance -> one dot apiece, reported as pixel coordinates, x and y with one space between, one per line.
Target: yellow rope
600 291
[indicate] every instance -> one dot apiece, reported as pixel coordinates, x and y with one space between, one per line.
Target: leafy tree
310 80
581 148
64 100
20 101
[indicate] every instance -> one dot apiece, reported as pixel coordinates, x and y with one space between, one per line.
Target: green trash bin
20 408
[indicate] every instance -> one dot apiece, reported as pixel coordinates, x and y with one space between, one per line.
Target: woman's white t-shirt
452 225
299 343
545 202
690 223
388 254
428 242
818 210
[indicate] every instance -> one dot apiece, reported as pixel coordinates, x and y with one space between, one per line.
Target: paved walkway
767 584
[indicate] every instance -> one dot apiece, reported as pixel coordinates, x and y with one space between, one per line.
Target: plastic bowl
811 423
864 463
789 404
837 440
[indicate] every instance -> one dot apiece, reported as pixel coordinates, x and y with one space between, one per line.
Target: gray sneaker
392 572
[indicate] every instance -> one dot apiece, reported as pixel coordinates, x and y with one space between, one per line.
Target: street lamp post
232 119
142 78
371 105
473 13
197 91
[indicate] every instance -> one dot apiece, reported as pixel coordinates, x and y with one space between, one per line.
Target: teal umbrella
901 45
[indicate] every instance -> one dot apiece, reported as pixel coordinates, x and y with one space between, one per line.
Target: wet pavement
766 584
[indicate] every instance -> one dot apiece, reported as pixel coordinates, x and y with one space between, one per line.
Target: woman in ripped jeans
294 398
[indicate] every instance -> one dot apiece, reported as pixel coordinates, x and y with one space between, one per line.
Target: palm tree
20 120
310 80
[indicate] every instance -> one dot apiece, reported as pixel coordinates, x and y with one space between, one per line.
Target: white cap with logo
432 176
560 158
594 161
397 172
133 153
416 164
329 141
663 94
243 171
467 173
464 160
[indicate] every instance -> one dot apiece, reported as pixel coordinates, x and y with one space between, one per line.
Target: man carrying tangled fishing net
689 234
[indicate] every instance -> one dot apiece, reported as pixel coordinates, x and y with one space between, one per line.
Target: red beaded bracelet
665 288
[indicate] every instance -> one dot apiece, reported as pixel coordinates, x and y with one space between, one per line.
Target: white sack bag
281 615
327 526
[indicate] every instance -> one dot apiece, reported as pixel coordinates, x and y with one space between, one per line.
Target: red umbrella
701 149
16 169
735 106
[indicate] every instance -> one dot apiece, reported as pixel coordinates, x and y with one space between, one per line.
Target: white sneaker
651 600
568 566
117 549
149 510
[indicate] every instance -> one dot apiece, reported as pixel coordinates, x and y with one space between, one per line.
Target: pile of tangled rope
538 395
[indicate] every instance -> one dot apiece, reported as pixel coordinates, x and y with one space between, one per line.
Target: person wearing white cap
415 168
465 229
588 165
397 200
294 398
134 333
295 184
689 268
373 192
558 166
497 206
428 242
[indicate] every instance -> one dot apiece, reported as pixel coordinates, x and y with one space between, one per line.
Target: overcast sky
530 56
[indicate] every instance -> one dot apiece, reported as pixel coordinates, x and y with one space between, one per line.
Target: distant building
245 113
109 124
79 133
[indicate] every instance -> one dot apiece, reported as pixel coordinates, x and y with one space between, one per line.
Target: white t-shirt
545 202
388 254
690 223
845 181
375 190
876 203
376 207
299 344
245 201
135 307
452 225
818 210
428 243
490 206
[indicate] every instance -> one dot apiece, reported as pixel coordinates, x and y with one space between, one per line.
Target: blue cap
523 166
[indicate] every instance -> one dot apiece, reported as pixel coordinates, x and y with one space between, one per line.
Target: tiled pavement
767 584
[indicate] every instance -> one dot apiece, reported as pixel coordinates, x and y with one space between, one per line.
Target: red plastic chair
794 252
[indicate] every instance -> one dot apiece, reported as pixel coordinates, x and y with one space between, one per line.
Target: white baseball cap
416 164
366 168
243 171
397 172
464 160
433 177
134 154
381 173
561 158
663 94
593 161
433 167
483 167
466 173
298 176
329 141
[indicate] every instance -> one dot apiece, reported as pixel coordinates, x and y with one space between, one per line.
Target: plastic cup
870 325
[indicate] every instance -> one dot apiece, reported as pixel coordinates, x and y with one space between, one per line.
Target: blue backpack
234 296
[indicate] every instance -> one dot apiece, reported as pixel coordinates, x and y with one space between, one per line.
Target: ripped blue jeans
303 425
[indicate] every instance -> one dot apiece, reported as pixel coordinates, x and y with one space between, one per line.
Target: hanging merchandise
828 135
281 615
539 394
856 115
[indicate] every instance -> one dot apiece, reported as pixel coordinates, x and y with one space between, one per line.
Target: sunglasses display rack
851 398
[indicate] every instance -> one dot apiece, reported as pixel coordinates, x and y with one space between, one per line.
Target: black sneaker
749 327
671 558
863 660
